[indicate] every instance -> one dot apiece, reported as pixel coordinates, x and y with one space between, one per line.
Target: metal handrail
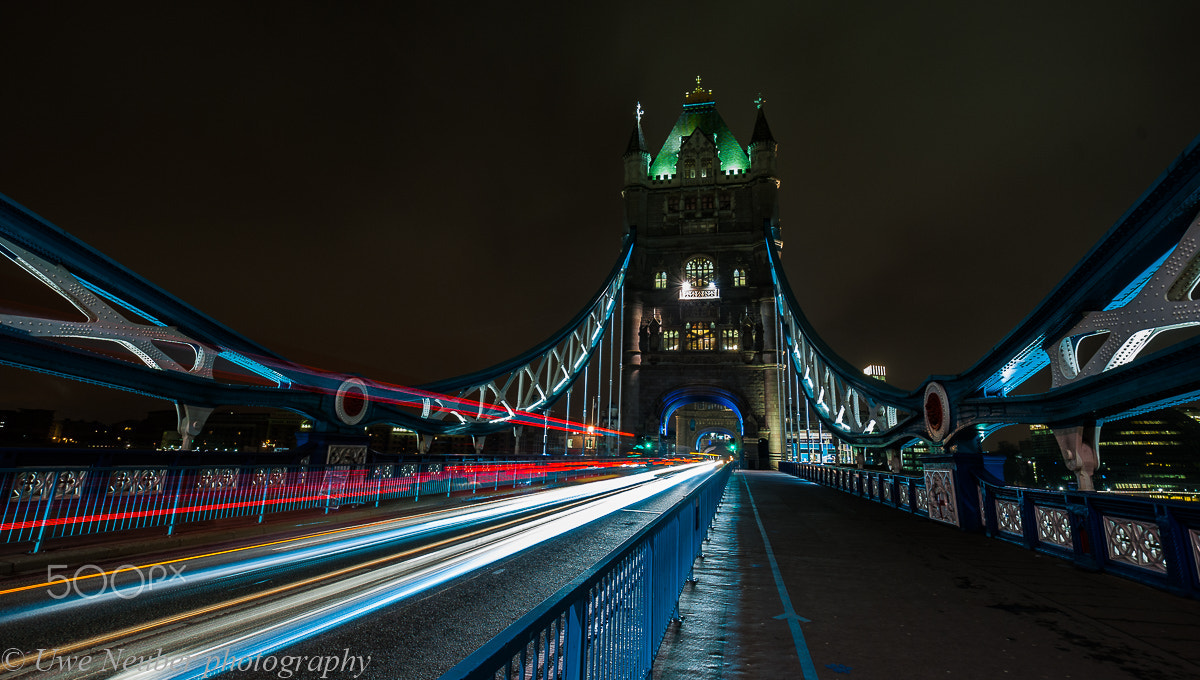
610 620
57 502
1152 541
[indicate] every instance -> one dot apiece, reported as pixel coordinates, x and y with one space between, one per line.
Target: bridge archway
672 401
724 432
685 416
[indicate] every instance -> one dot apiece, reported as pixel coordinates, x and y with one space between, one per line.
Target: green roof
705 117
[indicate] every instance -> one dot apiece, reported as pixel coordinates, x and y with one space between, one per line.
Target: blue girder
137 318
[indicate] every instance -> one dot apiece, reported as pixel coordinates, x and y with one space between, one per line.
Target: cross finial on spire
638 113
698 95
759 101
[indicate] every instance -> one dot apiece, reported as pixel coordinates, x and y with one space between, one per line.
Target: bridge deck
891 596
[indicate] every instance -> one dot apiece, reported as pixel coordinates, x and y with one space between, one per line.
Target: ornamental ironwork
1054 526
268 476
1008 516
136 482
942 505
904 494
1194 535
922 499
1133 542
35 486
217 478
41 486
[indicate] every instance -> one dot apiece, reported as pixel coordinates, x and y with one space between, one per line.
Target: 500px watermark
223 660
147 578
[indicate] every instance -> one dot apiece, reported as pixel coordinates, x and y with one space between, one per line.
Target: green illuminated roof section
705 117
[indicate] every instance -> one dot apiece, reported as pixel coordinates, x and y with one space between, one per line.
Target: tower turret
762 144
637 157
699 308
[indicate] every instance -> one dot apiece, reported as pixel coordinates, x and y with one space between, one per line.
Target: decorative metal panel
136 482
217 478
268 476
1194 535
982 507
874 487
904 494
1054 526
36 485
922 499
941 502
1008 515
887 492
1134 542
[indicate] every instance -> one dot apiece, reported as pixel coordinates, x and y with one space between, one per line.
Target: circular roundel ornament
937 412
351 402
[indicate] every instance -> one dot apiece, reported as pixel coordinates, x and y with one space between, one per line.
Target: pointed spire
762 131
637 141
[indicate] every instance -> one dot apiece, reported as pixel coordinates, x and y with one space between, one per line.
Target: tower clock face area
699 312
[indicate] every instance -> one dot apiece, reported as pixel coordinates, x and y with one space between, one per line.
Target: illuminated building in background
1155 454
699 317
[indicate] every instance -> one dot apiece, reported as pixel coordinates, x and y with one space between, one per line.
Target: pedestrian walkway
829 585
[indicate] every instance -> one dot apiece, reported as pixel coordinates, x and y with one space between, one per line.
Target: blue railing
45 503
1155 542
609 622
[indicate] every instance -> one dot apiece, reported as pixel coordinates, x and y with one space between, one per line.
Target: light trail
346 539
395 585
266 621
311 492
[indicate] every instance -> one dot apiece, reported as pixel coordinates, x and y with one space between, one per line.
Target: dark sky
418 193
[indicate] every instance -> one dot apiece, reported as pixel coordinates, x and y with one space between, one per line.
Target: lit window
699 272
689 169
701 337
739 277
706 167
670 341
729 339
660 280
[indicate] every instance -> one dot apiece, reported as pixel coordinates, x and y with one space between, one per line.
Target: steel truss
1136 283
136 337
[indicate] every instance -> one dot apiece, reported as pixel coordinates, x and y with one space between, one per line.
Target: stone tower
699 319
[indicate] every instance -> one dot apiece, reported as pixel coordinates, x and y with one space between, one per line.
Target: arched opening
717 441
688 416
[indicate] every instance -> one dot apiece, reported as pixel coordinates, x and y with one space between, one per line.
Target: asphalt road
400 598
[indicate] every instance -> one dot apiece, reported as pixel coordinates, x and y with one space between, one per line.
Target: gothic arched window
660 280
706 167
739 278
699 272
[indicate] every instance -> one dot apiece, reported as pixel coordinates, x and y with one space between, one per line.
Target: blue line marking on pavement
793 619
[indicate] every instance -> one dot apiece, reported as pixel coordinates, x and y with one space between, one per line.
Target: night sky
413 194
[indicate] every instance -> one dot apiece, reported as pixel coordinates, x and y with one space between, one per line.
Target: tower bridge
695 332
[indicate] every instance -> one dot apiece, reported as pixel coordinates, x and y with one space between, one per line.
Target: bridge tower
700 323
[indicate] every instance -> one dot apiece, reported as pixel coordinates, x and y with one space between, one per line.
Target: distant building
1156 454
876 371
